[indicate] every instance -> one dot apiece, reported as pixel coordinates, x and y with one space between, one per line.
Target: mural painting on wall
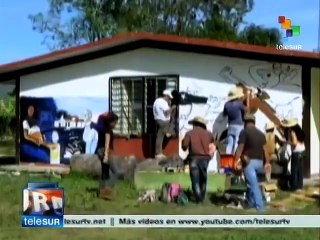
269 78
54 129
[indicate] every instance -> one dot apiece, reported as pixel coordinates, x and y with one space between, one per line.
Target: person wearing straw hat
234 110
199 142
274 140
162 115
295 137
251 153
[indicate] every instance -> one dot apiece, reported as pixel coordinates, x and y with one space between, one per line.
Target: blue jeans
254 194
233 138
198 174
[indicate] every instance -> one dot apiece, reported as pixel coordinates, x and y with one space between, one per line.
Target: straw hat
235 93
200 120
290 122
269 126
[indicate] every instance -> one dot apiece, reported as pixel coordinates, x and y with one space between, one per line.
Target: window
132 98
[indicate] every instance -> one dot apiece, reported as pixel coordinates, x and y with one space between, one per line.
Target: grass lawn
81 198
154 180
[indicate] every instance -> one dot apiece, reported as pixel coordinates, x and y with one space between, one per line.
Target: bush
7 117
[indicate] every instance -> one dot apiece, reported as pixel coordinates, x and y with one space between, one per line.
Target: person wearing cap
234 110
199 142
162 115
295 137
250 154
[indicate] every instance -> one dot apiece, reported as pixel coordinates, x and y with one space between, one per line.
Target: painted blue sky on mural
78 106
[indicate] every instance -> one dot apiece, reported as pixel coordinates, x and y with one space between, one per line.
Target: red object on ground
227 161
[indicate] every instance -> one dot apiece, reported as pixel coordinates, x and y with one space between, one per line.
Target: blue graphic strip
42 185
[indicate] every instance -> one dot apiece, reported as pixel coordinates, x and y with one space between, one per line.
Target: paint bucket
227 161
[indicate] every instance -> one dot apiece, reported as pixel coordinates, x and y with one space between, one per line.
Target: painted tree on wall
72 22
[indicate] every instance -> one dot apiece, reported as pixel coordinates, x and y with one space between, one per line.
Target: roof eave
127 38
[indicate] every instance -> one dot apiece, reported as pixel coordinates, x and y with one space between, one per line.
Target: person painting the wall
199 142
109 174
234 110
295 137
31 130
162 115
250 154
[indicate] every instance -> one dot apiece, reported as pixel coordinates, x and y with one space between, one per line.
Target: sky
18 41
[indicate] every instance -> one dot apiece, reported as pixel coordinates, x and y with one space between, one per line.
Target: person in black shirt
295 136
251 152
105 125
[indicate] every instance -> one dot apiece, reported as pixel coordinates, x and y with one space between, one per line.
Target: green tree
72 22
8 114
258 35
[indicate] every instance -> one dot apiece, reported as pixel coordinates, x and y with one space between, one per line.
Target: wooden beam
266 109
253 102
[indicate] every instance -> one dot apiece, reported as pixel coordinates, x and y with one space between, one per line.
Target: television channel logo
290 31
43 205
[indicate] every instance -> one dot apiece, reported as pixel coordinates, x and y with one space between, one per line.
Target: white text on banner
193 221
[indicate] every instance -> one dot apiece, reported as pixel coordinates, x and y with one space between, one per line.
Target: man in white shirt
162 113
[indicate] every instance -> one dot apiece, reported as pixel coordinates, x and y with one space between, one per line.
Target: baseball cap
168 92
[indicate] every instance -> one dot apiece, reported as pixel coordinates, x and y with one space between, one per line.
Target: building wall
84 86
315 120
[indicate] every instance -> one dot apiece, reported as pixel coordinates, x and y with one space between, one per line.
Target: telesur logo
290 31
40 201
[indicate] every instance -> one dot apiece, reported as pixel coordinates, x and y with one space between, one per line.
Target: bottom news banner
172 221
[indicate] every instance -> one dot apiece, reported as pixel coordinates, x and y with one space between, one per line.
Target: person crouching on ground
252 150
295 137
197 141
106 123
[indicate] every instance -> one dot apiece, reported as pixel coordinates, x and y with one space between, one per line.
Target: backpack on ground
170 192
183 199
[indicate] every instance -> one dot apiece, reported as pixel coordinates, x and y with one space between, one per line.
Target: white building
126 73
